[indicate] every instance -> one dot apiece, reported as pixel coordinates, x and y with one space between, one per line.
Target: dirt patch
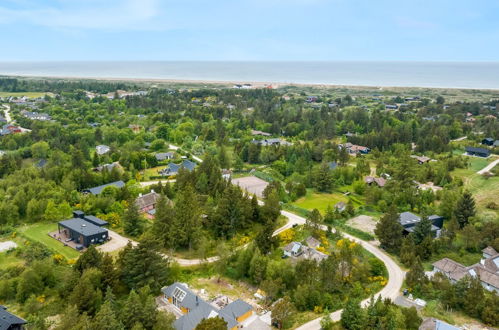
251 184
364 223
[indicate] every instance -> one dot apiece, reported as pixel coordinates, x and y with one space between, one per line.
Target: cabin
147 203
478 152
340 206
194 309
102 149
9 321
421 159
370 180
311 99
255 132
391 107
108 167
83 229
36 115
488 141
98 190
431 323
409 220
272 142
172 168
161 156
487 270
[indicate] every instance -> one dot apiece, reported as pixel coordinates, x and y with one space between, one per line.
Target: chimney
197 301
78 214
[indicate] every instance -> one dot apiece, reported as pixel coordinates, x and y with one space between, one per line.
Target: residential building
297 250
147 203
108 167
172 168
311 99
488 141
487 270
194 309
332 165
409 220
354 149
421 159
10 129
480 152
255 132
36 115
83 229
435 324
97 190
162 156
391 106
102 149
380 182
9 321
312 242
272 142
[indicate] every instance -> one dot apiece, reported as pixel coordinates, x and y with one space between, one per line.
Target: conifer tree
187 226
132 221
389 230
353 317
465 209
106 319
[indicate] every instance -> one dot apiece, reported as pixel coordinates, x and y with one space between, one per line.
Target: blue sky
405 30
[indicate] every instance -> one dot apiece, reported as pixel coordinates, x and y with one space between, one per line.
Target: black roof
96 221
83 227
478 150
8 319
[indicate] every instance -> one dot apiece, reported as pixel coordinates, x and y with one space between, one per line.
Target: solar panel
179 294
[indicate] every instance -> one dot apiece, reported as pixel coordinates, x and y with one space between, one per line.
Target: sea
471 75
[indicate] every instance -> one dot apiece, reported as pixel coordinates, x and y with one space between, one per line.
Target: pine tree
389 230
465 209
415 276
132 221
421 230
142 265
353 317
106 319
187 226
323 180
408 251
91 258
164 221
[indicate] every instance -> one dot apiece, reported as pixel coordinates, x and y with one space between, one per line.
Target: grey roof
82 226
204 310
8 319
164 155
188 165
198 309
478 150
189 300
102 149
408 218
236 308
97 190
96 221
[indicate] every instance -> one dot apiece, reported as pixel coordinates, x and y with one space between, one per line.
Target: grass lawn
319 201
484 190
153 171
21 94
39 232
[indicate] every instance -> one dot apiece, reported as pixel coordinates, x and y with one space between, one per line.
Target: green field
319 201
39 232
20 94
484 190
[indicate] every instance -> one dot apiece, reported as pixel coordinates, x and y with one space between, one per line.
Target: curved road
395 274
488 167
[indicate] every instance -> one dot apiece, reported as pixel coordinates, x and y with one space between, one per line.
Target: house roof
102 149
293 247
237 308
435 324
478 150
147 200
312 242
97 190
8 319
198 308
164 155
188 165
489 250
332 165
96 221
108 167
453 270
82 226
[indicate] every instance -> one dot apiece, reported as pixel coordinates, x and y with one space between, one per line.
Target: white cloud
90 14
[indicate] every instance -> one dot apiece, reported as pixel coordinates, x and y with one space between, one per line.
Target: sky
250 30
